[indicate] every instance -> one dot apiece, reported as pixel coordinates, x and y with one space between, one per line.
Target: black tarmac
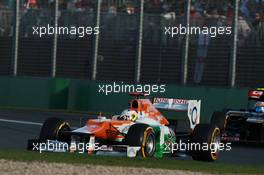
16 127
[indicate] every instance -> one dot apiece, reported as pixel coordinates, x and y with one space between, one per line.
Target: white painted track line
20 122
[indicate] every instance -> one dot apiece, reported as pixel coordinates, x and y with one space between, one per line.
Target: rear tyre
55 129
206 134
219 119
143 136
173 125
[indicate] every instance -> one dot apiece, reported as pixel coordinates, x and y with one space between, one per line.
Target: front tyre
143 136
55 129
208 137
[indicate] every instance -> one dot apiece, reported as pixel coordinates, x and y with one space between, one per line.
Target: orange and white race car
140 130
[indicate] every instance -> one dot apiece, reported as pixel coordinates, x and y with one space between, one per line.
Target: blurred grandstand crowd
158 13
119 40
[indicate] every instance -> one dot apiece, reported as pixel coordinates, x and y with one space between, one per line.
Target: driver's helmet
259 107
130 115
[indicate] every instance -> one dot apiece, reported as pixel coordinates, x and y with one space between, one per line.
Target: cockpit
127 115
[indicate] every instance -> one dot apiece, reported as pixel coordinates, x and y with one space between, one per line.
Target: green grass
212 167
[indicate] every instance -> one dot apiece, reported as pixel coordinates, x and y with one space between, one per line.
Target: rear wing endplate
192 107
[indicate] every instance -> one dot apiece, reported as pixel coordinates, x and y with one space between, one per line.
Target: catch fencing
132 45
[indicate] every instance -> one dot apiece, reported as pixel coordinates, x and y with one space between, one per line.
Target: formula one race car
139 130
244 125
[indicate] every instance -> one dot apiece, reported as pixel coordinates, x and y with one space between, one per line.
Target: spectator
153 6
2 30
71 6
202 49
86 5
199 8
112 12
243 30
258 27
130 10
79 5
193 12
165 7
230 14
244 8
109 24
259 5
257 21
179 7
32 4
62 4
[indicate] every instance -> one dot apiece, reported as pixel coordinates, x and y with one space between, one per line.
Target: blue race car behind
244 125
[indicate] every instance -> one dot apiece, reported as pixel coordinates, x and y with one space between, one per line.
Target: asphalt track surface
16 127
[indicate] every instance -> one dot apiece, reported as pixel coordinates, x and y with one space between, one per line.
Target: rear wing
256 94
192 107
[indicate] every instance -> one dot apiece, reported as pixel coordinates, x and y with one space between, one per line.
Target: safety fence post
233 60
16 21
96 42
139 46
186 44
55 39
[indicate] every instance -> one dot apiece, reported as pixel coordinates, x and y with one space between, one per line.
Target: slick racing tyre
219 119
143 136
208 139
173 125
55 129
